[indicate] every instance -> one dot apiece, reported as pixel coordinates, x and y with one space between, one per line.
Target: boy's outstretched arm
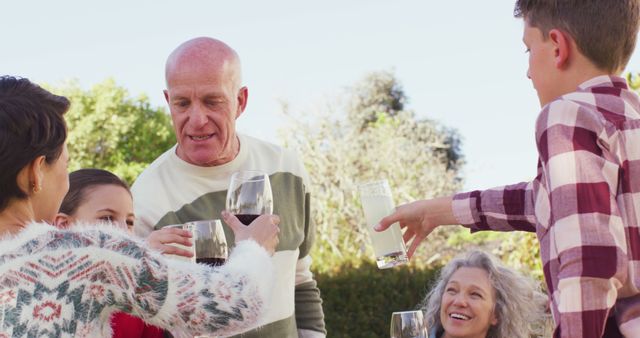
420 218
507 208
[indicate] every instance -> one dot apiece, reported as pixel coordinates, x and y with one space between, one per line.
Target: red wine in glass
249 195
215 261
246 219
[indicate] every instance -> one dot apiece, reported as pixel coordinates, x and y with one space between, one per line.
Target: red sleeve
127 326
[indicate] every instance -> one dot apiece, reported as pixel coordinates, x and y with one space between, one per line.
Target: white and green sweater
172 191
67 283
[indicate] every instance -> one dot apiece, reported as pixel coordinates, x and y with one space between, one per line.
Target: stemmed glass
249 195
408 324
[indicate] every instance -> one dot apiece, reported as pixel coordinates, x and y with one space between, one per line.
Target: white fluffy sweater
66 283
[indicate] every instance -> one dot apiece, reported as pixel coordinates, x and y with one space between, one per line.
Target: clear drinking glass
209 242
388 245
408 324
249 195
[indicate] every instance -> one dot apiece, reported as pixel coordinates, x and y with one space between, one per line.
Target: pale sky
460 62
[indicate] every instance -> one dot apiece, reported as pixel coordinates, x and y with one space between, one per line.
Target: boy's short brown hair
604 30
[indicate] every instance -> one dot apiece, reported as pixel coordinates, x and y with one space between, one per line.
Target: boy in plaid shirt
584 203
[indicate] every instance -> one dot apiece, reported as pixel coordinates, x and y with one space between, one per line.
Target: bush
358 299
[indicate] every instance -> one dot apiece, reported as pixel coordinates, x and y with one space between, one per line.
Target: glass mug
408 324
388 245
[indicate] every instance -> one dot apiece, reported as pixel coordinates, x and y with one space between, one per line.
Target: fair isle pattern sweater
172 191
67 283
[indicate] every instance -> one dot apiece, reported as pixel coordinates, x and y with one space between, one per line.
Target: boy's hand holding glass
377 203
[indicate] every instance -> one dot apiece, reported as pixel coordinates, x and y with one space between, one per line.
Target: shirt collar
604 81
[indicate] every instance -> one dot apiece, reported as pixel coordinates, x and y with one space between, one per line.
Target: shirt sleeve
189 299
585 234
308 302
309 314
506 208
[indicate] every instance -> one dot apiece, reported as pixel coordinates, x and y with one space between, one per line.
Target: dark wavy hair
31 125
84 179
604 30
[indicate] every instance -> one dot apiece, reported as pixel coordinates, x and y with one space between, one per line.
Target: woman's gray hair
518 301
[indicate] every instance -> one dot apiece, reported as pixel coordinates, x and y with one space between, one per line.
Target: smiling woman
476 296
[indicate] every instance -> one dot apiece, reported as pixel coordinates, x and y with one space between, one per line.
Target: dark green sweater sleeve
309 313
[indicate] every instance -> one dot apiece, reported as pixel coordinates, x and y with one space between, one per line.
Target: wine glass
249 195
408 324
209 242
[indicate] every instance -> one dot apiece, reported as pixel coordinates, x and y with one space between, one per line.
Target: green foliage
110 130
521 250
517 249
377 139
377 95
358 299
634 81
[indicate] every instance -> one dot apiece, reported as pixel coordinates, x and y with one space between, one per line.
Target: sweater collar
223 169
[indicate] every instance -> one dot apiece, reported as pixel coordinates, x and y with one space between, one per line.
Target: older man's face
204 103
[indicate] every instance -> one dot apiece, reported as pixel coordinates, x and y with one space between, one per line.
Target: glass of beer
249 195
377 203
408 324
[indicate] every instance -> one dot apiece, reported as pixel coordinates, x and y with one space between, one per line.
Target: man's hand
159 240
264 230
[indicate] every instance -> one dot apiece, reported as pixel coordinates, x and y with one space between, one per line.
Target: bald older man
189 181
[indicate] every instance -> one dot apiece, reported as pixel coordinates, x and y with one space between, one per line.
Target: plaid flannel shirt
584 206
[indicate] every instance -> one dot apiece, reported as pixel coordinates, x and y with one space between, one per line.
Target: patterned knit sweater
67 283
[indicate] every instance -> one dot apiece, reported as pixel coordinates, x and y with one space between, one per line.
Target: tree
376 137
110 130
634 81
